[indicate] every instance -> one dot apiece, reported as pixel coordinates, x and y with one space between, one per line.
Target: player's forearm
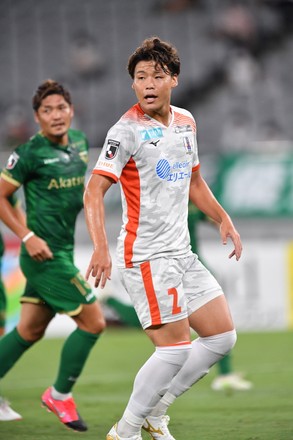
12 219
204 199
95 218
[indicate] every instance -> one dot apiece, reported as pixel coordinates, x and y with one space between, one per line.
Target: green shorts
56 283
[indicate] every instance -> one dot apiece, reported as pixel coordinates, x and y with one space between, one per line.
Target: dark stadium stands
236 63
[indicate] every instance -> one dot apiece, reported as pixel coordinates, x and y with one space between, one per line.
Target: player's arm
100 264
201 195
14 219
18 211
9 214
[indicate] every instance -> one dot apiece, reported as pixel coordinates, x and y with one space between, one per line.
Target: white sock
150 384
205 353
59 396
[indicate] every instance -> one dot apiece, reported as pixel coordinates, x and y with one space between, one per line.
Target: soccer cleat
157 427
113 435
7 414
228 382
65 410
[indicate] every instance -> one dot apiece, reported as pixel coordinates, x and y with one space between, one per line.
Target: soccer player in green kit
51 168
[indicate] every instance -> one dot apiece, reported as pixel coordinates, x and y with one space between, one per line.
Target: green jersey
53 180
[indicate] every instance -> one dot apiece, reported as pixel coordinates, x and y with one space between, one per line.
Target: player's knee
95 326
99 325
176 355
220 344
31 333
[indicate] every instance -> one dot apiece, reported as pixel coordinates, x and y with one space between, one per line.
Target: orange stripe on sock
150 292
178 344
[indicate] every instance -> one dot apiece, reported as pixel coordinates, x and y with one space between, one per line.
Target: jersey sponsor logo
62 183
151 133
112 149
163 168
182 128
12 161
188 145
172 173
102 163
53 160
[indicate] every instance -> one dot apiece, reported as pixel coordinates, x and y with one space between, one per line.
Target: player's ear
174 81
36 117
71 111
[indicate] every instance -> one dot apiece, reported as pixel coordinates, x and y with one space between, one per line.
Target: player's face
54 117
153 88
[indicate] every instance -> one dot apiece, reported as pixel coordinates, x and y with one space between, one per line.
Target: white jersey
153 164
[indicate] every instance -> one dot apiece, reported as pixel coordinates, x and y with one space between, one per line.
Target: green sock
224 364
75 352
126 313
12 346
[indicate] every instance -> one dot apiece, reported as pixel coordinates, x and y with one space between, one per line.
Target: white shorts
169 289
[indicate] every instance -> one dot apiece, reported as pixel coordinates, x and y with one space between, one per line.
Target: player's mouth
60 125
150 98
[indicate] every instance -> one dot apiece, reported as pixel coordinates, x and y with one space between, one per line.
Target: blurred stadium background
237 60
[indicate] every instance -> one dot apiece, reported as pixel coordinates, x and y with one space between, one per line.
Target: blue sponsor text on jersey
174 172
151 133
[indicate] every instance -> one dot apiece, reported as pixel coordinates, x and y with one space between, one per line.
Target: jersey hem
10 180
105 173
138 263
197 167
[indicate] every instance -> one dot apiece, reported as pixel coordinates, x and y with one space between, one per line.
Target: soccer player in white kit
152 152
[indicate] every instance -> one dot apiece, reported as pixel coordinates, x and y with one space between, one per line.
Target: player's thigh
172 333
212 318
34 319
90 318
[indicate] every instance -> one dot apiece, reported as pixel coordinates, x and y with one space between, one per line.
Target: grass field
264 413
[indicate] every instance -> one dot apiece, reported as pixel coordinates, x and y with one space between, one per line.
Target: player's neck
164 117
59 140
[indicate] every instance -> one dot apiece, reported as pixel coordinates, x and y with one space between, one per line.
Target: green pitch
264 413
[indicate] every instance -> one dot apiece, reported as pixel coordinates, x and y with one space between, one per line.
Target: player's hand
38 249
100 267
227 230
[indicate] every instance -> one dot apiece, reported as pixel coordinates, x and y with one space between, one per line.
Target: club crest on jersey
187 142
112 149
12 161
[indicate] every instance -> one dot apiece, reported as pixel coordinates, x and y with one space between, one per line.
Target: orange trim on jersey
105 173
197 167
130 183
146 272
